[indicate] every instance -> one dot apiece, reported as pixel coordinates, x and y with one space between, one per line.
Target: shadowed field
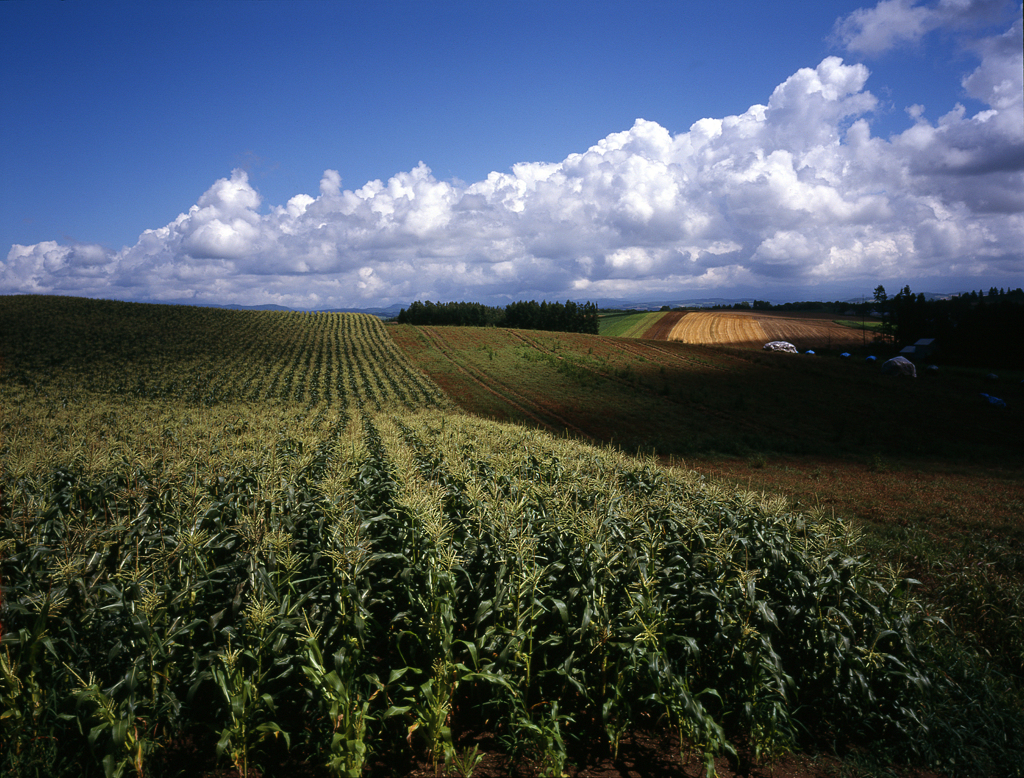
932 473
684 400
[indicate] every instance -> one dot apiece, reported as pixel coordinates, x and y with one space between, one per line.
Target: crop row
331 587
207 356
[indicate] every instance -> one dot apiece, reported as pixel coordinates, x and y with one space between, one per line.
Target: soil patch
662 329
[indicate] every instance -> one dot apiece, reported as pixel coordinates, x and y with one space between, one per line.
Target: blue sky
329 154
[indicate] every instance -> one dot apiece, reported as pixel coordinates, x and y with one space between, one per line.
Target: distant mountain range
384 313
607 303
708 302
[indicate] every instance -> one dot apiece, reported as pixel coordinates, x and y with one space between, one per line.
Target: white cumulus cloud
894 23
793 194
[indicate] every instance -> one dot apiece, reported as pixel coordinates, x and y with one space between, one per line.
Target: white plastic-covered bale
899 366
780 345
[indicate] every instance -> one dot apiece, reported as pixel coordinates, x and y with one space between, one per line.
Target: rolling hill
314 544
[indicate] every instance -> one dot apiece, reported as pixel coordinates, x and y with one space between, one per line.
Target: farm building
924 347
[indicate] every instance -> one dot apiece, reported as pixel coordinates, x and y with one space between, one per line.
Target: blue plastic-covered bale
994 402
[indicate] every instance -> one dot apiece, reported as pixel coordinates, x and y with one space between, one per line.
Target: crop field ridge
259 543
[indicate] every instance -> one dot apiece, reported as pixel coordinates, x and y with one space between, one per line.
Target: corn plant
129 743
248 708
347 701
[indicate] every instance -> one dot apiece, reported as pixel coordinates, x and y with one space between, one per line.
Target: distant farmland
685 400
741 329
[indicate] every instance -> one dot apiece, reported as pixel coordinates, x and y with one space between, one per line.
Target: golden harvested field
718 328
754 329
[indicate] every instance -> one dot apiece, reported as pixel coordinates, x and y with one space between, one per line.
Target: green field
627 324
273 543
873 326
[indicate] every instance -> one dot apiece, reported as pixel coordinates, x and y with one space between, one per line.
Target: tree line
973 328
553 317
839 307
976 328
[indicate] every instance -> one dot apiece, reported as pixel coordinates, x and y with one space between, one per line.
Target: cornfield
205 356
295 550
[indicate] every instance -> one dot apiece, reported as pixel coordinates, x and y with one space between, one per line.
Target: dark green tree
882 305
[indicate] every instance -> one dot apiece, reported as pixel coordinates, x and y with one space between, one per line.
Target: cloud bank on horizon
796 194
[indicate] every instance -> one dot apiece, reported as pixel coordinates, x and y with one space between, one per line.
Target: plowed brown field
754 329
662 327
